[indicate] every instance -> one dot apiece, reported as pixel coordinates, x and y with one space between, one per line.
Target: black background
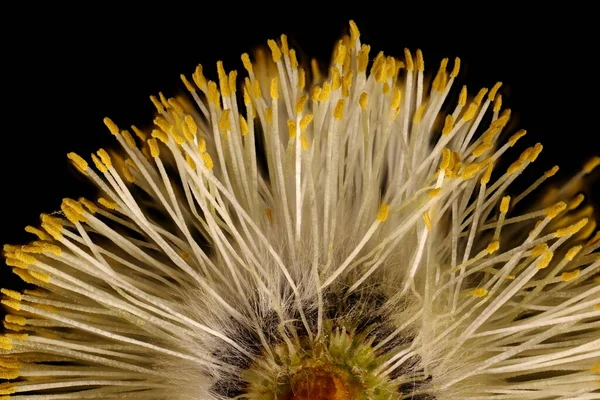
66 69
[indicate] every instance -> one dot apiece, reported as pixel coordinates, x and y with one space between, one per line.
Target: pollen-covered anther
553 211
545 259
591 164
479 292
572 229
569 276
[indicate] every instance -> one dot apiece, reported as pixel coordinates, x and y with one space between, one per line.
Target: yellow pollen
498 103
112 127
338 112
539 249
301 78
274 90
275 51
15 319
15 305
247 63
384 210
572 229
551 172
493 247
408 60
291 128
304 142
269 115
363 100
494 90
420 61
573 251
479 98
363 58
79 162
591 164
160 135
354 32
293 59
514 167
576 202
545 259
396 99
470 113
434 192
12 294
305 121
419 113
224 123
456 68
207 160
462 97
487 175
556 209
301 102
244 126
513 139
569 276
141 135
154 149
446 158
111 205
479 292
39 233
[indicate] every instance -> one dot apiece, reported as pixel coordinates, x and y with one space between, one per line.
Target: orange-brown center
319 384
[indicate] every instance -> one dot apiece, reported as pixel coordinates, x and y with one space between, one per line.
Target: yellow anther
487 175
363 100
104 157
339 54
462 97
275 51
408 60
7 389
15 305
479 98
325 92
301 102
441 78
591 164
188 85
224 123
446 158
284 45
493 247
347 84
304 142
213 93
39 233
434 192
573 251
338 112
269 115
552 171
112 127
539 249
141 135
336 79
128 139
305 121
176 105
301 79
354 32
243 126
154 149
160 135
247 98
556 209
207 160
514 167
504 204
470 112
53 229
15 319
49 248
5 344
163 100
383 212
569 276
427 220
572 229
545 259
199 79
576 202
420 61
99 164
157 104
247 63
291 128
201 145
479 292
498 103
363 58
396 99
111 205
470 170
190 162
481 149
537 149
494 91
456 68
316 93
419 113
274 90
448 125
293 59
79 162
12 294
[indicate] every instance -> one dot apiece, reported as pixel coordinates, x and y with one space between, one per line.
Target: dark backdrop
67 68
